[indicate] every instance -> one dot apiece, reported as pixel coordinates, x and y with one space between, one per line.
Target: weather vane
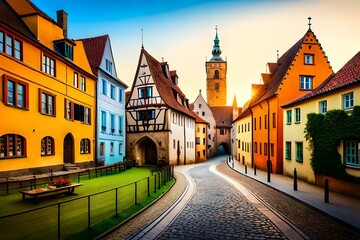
309 23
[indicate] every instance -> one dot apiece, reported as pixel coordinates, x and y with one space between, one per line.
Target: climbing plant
324 133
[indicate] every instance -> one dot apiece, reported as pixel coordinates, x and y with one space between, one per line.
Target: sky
182 33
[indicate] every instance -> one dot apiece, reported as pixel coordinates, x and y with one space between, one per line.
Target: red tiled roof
94 48
166 88
200 120
348 75
223 115
283 64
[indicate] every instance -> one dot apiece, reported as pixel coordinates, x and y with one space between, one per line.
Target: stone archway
147 151
223 148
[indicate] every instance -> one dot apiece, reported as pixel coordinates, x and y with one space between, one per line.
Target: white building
160 125
110 128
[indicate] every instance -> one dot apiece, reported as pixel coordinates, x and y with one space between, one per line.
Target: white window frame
306 82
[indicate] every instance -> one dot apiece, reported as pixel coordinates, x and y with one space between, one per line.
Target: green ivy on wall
324 132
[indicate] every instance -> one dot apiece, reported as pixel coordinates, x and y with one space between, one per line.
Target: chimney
62 18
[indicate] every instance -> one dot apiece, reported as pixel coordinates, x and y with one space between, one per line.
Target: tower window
217 87
216 74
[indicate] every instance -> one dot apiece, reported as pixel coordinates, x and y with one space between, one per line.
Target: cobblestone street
218 211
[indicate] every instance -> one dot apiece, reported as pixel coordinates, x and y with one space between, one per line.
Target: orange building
298 71
47 91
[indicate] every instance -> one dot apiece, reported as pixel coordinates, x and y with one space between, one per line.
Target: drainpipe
252 138
268 162
184 141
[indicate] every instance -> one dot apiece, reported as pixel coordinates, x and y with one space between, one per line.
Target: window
309 59
103 121
69 110
204 141
2 41
12 145
85 145
104 86
146 115
265 121
352 153
288 116
323 106
145 92
112 123
9 45
203 130
65 48
199 105
47 146
216 74
112 91
260 148
255 147
83 83
102 152
288 150
174 144
222 132
47 103
120 119
217 87
260 123
76 80
274 120
82 113
121 148
108 66
297 115
202 113
348 101
17 49
111 149
48 65
272 149
197 140
299 151
121 95
265 149
15 93
306 82
254 124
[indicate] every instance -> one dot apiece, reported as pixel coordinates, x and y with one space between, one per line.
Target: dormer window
108 66
65 47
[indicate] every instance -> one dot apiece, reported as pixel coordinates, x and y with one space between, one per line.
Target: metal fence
61 220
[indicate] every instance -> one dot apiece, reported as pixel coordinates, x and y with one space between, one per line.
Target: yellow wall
216 98
295 132
243 135
30 123
201 148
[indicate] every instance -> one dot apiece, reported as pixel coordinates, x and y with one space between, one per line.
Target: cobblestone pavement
310 221
218 211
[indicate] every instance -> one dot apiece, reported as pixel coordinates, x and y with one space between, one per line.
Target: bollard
268 163
295 180
326 187
255 170
245 169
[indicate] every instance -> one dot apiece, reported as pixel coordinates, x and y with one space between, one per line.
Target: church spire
216 51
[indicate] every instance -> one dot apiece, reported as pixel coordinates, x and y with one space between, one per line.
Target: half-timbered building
160 125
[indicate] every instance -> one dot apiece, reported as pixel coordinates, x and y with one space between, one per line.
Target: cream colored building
340 91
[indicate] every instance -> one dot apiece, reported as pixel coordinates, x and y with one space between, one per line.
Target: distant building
47 92
160 124
110 101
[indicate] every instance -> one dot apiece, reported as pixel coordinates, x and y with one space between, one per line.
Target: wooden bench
45 191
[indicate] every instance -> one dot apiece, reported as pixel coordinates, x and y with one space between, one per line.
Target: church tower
216 77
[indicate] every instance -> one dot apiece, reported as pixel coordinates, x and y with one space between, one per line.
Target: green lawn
106 209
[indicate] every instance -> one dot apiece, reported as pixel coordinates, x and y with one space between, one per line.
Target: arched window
12 145
47 146
85 145
216 74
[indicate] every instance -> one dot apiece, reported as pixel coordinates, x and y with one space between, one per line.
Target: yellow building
201 140
47 91
339 91
243 137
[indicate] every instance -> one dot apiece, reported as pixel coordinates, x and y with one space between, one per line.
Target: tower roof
216 51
